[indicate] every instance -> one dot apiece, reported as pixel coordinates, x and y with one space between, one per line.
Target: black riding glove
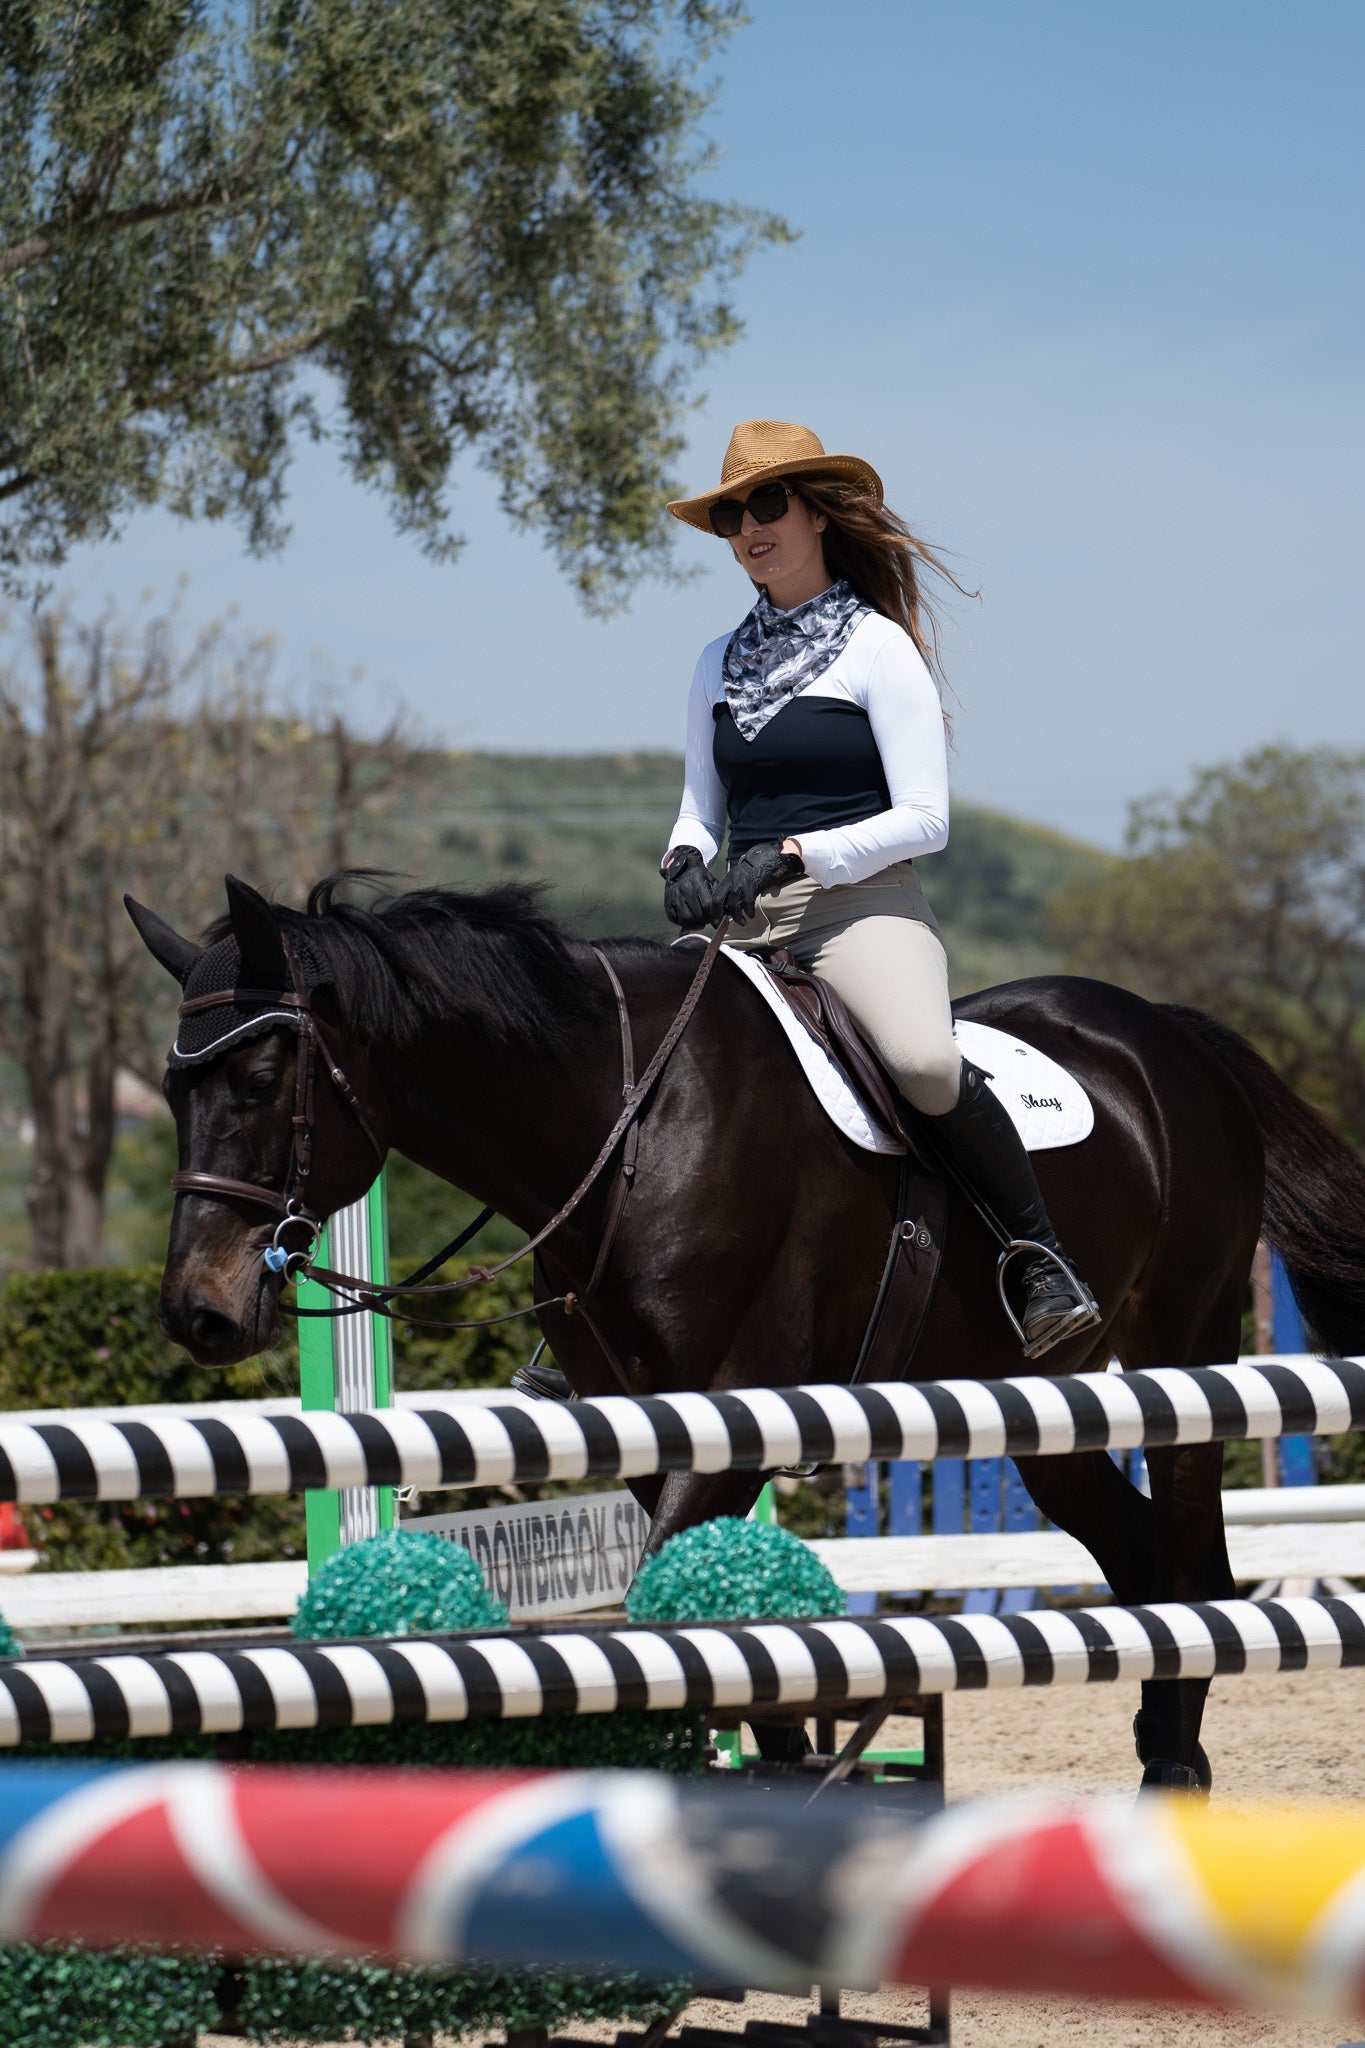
756 872
687 888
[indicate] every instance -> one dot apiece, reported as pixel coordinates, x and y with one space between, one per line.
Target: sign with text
550 1556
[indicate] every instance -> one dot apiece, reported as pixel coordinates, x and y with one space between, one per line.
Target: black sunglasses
767 503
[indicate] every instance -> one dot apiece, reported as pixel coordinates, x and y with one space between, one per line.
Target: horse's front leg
679 1500
682 1499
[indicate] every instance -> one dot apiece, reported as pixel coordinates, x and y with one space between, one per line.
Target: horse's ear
175 954
258 936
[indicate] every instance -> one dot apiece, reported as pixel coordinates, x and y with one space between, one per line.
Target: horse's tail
1314 1192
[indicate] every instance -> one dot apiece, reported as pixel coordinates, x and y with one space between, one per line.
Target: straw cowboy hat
773 448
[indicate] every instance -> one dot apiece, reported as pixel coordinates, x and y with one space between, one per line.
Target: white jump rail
1046 1557
181 1594
1332 1552
447 1441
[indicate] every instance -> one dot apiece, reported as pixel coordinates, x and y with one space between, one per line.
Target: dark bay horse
484 1043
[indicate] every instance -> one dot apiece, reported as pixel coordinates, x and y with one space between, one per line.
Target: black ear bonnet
204 1034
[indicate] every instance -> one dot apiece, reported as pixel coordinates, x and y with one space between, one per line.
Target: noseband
289 1203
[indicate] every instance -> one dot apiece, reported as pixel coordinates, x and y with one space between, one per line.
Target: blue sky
1083 281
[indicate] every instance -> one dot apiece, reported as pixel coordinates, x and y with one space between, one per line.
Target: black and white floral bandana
772 655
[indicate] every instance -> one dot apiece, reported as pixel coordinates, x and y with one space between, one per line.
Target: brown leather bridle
290 1205
290 1202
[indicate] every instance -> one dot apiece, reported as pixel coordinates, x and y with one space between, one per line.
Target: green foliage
425 1213
729 1570
631 1740
990 889
1246 897
410 1582
60 1997
482 222
403 1583
308 2001
9 1647
117 1998
91 1340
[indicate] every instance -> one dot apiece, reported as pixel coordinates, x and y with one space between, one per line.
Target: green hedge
91 1340
121 1998
281 2000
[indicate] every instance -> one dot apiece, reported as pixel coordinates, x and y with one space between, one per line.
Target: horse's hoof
1144 1743
780 1744
1163 1774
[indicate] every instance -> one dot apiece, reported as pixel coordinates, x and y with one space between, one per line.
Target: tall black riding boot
981 1141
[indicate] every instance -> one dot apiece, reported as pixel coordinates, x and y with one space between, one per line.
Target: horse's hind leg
1088 1496
1191 1564
1191 1558
1131 1539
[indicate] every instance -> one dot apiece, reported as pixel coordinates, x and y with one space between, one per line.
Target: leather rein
291 1206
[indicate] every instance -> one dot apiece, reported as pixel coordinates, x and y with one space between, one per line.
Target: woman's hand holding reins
688 888
754 874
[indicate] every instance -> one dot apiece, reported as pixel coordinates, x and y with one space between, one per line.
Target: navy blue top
814 766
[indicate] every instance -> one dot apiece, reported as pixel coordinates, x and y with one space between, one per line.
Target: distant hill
593 826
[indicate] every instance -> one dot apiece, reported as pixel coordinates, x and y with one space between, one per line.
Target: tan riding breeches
877 943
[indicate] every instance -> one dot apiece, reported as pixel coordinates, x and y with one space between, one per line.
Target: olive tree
422 227
1246 897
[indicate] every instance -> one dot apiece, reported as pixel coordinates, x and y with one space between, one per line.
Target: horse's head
279 1116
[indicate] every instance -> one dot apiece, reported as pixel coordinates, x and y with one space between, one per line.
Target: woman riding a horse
815 734
728 1235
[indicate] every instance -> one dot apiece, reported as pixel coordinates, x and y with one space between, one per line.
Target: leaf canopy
422 227
1246 896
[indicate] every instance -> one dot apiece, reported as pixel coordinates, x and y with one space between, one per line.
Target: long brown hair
886 563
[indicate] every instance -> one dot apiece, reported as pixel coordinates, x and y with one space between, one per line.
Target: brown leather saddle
913 1257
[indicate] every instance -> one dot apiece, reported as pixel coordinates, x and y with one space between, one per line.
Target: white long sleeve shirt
879 673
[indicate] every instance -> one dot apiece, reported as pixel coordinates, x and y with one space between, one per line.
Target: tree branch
21 254
250 366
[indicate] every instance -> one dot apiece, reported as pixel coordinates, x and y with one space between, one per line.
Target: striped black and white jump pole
347 1364
445 1440
812 1667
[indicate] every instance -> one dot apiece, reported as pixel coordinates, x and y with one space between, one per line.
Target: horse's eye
260 1083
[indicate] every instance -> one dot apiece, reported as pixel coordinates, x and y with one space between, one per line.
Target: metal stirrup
1083 1317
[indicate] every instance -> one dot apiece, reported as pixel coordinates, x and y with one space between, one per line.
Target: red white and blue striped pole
1168 1901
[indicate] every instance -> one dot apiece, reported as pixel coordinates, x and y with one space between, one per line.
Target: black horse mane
490 962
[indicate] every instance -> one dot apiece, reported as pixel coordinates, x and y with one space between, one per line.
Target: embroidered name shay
1041 1102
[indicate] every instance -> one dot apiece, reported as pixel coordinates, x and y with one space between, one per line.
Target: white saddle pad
1048 1105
